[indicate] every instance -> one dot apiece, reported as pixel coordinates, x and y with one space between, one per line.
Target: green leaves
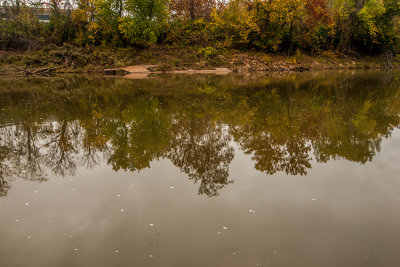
143 21
370 15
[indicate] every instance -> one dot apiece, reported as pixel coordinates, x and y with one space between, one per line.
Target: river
297 169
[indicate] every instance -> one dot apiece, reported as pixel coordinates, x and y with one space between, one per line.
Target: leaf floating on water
313 199
27 204
171 187
151 225
252 211
75 249
122 210
116 251
225 228
29 237
17 220
36 192
151 256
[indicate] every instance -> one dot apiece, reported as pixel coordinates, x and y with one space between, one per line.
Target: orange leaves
317 11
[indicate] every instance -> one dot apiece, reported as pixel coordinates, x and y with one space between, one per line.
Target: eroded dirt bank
140 63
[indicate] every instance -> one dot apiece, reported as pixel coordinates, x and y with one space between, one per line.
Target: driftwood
388 57
38 71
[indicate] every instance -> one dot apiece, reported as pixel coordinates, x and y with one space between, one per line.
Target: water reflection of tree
139 134
28 159
5 175
273 136
20 154
283 124
63 147
200 148
346 118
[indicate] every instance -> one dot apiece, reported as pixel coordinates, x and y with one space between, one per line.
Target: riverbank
160 59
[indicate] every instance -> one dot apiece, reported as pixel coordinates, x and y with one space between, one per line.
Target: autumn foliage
347 26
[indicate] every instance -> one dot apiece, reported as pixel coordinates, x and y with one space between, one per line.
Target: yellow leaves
79 15
362 120
93 29
284 11
84 12
234 23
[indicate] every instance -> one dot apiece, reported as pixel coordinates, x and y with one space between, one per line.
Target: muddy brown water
202 170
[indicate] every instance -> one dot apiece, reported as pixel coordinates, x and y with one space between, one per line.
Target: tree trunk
290 45
191 9
120 7
151 10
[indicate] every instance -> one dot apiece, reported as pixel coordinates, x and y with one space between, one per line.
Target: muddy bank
140 63
143 71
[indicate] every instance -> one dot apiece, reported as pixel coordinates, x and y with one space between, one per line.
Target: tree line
346 26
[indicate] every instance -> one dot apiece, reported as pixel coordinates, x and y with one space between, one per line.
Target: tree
20 27
192 9
108 20
143 21
83 17
316 31
278 22
61 25
234 24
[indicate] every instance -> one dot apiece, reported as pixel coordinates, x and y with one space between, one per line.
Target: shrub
207 52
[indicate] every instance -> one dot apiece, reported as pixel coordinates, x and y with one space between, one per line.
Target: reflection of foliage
273 136
4 173
334 118
19 155
201 150
140 135
282 123
62 149
28 158
4 185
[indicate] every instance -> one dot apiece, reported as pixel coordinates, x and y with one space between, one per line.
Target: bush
186 33
207 52
21 29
